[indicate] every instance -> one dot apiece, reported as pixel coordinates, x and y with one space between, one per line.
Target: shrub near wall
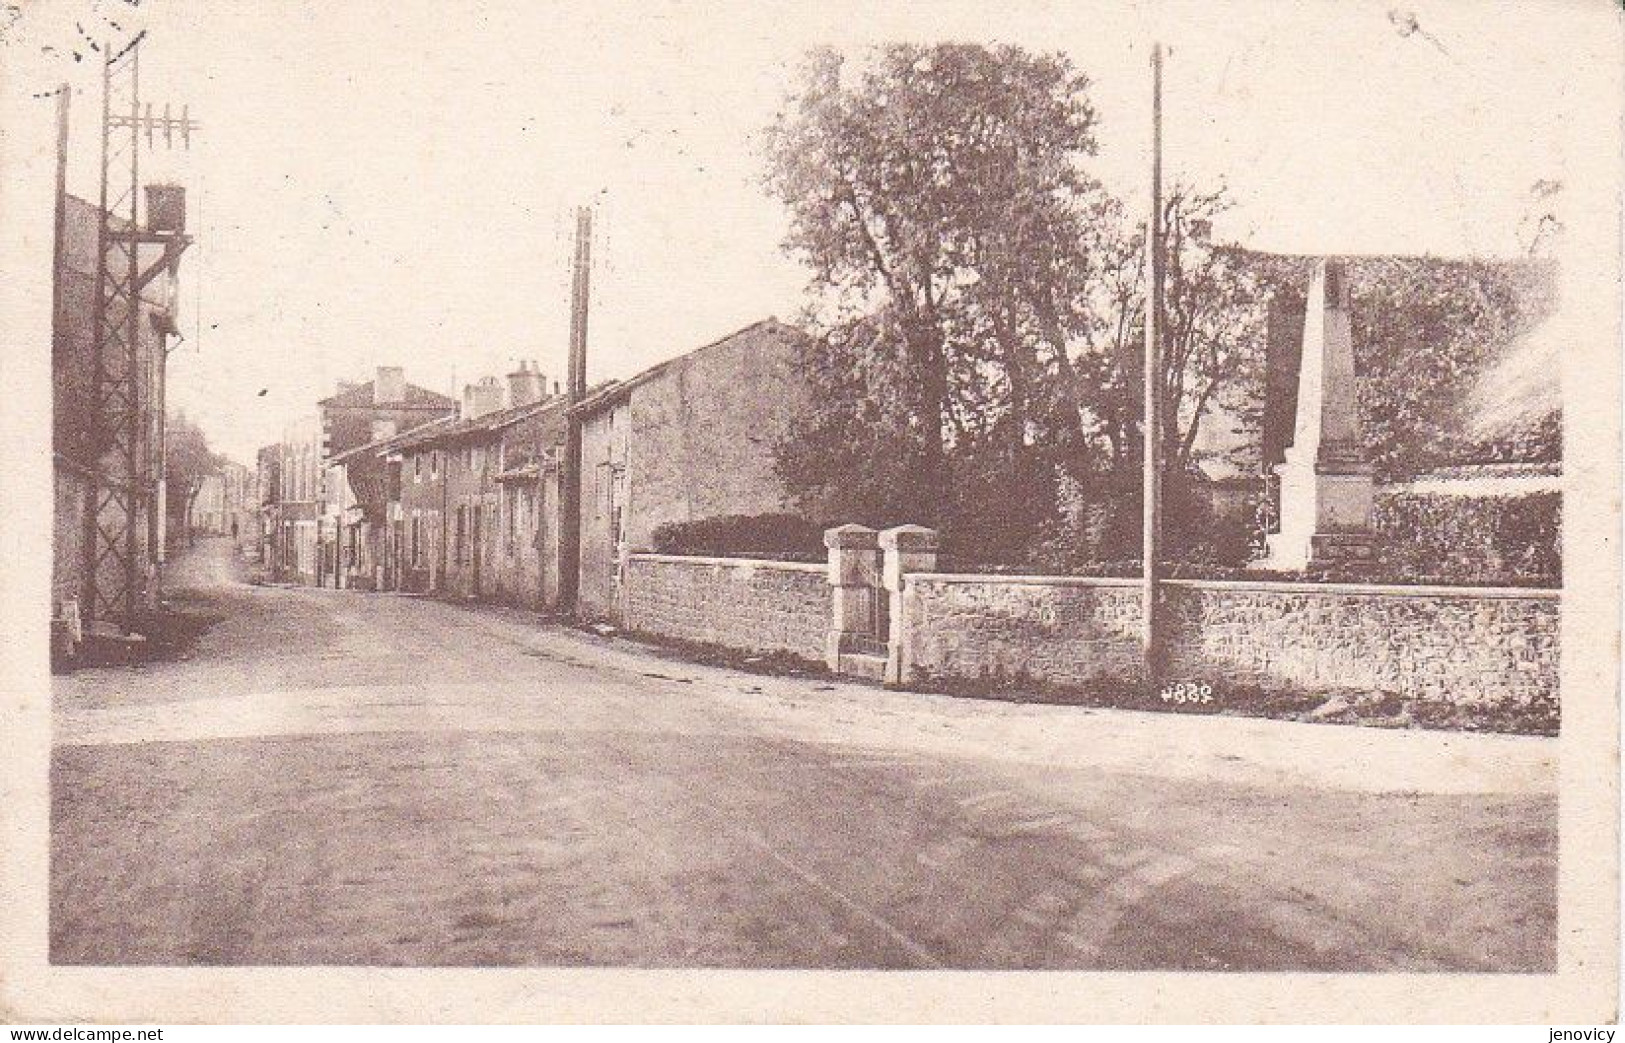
1472 538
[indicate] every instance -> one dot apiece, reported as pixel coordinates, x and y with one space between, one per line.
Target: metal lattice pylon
122 488
122 493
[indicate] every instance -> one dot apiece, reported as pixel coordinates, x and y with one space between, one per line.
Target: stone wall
1457 646
1055 630
1465 646
741 603
1443 644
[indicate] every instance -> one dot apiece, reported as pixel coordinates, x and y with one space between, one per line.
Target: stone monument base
1342 552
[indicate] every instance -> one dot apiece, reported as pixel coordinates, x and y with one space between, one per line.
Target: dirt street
346 778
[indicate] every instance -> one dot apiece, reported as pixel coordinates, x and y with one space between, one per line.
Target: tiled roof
451 430
390 444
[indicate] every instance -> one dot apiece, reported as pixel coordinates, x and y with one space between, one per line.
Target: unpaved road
344 778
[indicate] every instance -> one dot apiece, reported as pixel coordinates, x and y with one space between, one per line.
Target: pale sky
391 183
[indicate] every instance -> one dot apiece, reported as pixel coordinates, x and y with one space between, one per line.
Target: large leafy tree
981 298
934 193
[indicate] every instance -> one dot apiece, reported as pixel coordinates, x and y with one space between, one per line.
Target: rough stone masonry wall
1465 646
746 604
1452 645
1058 631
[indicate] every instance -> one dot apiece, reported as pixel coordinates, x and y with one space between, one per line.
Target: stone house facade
302 510
365 491
478 503
692 438
293 515
355 416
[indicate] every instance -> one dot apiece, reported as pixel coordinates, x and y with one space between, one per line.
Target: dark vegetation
977 303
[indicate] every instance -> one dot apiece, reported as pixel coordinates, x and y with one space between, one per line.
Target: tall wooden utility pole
575 391
1151 534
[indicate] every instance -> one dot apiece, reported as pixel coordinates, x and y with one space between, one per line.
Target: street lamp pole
1151 478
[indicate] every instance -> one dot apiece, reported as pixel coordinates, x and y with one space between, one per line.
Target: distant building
301 515
364 486
207 516
241 508
292 516
354 416
267 497
477 508
222 506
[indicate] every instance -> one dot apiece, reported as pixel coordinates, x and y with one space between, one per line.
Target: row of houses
392 487
388 486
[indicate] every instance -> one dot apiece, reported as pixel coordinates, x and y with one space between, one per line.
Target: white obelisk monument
1326 484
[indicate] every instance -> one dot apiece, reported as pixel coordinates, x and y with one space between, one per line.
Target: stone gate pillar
1327 489
906 549
854 580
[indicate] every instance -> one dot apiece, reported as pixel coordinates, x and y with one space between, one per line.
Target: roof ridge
618 387
426 396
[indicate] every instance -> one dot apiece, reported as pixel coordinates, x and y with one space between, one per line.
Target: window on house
460 536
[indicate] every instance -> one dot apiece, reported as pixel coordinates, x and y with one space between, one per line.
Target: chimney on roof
389 385
526 384
342 387
482 398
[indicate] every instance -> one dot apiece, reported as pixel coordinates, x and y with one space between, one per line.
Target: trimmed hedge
781 537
